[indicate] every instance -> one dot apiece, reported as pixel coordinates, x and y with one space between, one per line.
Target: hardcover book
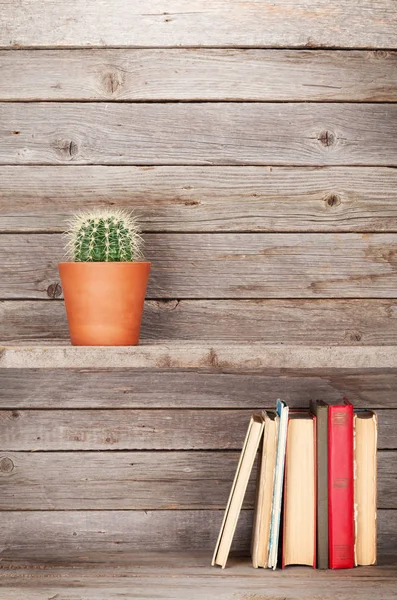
365 437
320 410
237 493
282 412
299 532
265 489
340 485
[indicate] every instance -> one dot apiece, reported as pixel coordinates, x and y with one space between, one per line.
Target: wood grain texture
143 23
127 388
175 199
224 265
138 480
196 584
60 535
131 563
307 322
181 576
198 133
221 357
199 74
178 429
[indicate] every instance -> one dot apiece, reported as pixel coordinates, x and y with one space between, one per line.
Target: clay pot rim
109 262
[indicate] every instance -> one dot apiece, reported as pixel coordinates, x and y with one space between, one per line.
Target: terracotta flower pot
104 301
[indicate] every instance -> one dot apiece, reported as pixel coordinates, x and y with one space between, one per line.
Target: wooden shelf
188 355
183 576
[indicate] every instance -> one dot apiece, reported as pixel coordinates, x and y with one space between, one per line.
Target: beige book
299 540
237 493
265 489
365 445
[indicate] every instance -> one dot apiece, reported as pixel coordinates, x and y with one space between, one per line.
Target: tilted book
264 492
237 493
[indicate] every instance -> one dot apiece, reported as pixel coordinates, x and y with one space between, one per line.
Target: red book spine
340 486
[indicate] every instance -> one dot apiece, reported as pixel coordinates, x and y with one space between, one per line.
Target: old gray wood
177 429
198 133
248 265
114 587
62 535
223 357
309 322
180 576
198 74
142 23
68 535
128 388
131 563
138 480
174 199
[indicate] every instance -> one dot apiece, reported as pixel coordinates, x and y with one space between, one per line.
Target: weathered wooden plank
187 575
122 429
113 586
178 576
198 133
230 357
309 322
64 535
138 480
224 265
129 388
144 23
178 429
170 563
194 587
174 199
199 74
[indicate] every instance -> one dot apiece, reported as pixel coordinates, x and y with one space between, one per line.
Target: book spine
340 487
314 563
315 491
322 486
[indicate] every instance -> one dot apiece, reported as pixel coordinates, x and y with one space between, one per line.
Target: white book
282 412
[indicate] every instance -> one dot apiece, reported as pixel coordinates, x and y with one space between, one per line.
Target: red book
340 485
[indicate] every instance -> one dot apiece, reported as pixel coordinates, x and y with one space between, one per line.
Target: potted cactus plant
104 283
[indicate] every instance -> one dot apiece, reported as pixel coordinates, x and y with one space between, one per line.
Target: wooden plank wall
256 140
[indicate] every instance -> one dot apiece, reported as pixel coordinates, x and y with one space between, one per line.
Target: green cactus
104 236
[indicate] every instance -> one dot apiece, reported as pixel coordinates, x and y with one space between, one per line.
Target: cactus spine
104 236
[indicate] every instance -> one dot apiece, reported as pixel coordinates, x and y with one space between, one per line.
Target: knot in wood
327 138
354 336
380 54
332 200
54 290
6 465
112 81
67 149
166 305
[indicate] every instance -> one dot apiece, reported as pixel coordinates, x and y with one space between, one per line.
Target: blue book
282 412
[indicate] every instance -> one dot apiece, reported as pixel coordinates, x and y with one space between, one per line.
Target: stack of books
316 488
